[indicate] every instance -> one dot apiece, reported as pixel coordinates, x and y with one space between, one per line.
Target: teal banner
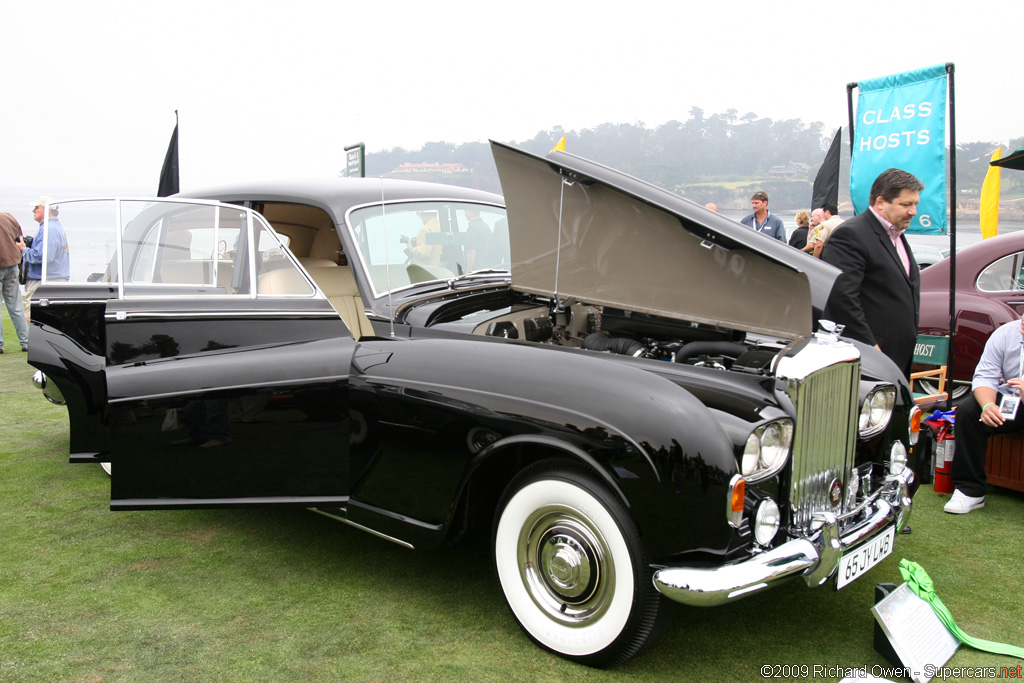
901 123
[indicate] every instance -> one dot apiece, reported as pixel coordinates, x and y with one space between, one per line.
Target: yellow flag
559 146
989 214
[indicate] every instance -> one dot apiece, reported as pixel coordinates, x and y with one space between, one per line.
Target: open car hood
579 230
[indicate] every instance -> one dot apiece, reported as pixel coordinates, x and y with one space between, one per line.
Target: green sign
355 161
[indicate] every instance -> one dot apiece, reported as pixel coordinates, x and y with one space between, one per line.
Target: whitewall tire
571 565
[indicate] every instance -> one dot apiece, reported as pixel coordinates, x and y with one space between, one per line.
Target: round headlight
897 458
766 521
775 440
876 410
880 406
751 455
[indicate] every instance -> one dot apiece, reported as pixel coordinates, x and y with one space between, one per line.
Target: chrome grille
825 439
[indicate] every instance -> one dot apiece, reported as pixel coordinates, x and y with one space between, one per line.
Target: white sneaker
961 504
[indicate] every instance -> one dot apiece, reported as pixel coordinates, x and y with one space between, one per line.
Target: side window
184 247
170 247
77 242
277 274
1003 275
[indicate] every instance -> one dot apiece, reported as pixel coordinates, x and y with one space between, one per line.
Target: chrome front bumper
815 557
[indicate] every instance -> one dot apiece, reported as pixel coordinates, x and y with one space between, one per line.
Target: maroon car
989 292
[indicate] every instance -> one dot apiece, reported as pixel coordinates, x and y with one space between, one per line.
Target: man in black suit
877 297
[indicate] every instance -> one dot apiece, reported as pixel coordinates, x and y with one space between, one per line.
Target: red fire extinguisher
945 445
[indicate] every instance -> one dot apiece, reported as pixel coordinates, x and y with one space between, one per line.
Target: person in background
10 259
711 206
763 221
992 408
58 258
418 248
817 216
829 221
877 296
799 237
478 241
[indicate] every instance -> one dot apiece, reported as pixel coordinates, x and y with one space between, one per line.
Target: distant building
432 167
790 171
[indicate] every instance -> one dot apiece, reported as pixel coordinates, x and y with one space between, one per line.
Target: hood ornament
828 332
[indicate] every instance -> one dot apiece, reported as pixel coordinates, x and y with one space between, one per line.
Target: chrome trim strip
60 302
192 503
368 530
119 247
221 314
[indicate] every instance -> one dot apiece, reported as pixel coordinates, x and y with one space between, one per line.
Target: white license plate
856 563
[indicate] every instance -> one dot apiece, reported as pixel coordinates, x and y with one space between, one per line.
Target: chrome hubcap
565 565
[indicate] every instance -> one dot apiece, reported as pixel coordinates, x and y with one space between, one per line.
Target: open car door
207 367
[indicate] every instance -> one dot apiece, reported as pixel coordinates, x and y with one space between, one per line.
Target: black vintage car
625 388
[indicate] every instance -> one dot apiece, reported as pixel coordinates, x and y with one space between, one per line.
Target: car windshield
402 244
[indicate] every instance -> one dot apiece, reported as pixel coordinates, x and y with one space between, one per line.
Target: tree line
722 157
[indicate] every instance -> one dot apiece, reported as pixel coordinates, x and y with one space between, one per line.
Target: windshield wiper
477 273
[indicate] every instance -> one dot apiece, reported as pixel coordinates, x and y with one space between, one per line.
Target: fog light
766 522
897 458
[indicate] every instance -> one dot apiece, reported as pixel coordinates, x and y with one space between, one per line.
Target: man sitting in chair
992 409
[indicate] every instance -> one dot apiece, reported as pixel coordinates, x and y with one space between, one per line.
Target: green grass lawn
287 595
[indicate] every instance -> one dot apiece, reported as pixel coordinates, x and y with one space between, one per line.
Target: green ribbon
919 581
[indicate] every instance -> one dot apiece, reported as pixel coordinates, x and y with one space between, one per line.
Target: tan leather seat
183 272
338 283
308 263
196 272
283 281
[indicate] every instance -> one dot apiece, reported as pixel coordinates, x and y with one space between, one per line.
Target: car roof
337 195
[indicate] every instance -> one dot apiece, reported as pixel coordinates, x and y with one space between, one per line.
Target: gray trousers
12 299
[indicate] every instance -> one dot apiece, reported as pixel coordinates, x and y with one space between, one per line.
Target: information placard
920 639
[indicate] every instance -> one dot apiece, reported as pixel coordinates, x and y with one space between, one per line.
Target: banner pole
950 370
849 109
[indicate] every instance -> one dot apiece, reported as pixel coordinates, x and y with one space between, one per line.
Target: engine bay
628 333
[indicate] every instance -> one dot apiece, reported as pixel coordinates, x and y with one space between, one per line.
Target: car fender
659 448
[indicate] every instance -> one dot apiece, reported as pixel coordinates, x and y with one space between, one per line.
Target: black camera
27 239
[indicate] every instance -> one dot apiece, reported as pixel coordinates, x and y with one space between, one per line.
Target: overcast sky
279 88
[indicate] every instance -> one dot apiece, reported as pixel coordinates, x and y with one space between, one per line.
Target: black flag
826 183
169 173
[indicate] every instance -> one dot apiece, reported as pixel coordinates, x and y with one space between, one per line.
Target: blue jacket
58 257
